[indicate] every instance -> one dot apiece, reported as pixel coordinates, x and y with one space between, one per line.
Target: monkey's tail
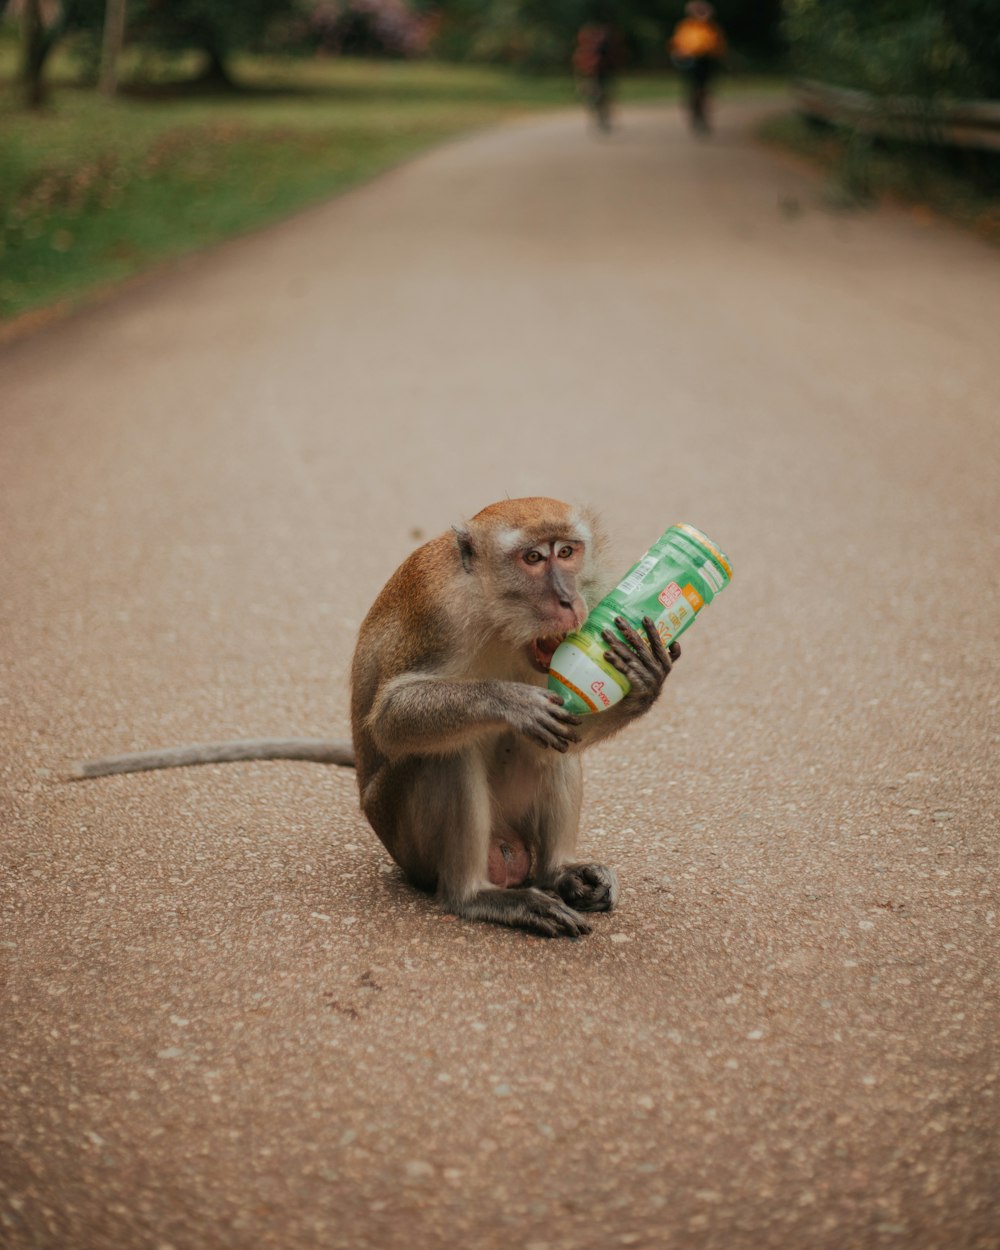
316 750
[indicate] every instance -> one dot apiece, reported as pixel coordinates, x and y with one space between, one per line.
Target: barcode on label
711 575
637 576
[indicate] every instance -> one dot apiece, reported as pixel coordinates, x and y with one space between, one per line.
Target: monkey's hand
539 715
646 665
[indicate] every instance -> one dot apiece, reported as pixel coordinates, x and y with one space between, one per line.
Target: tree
975 27
40 32
215 27
44 24
111 45
919 48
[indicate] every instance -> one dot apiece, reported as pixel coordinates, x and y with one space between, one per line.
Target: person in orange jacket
697 48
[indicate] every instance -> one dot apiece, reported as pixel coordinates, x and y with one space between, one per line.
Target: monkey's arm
316 750
424 715
647 666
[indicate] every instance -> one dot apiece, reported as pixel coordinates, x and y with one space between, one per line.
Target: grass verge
963 186
93 191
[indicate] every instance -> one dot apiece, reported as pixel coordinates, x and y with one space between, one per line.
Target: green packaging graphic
678 575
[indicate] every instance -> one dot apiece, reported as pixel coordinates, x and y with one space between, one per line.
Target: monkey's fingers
618 655
524 908
627 661
540 715
659 651
561 713
652 656
548 731
559 720
557 738
558 928
551 917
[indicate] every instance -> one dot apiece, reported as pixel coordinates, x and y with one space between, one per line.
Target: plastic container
672 582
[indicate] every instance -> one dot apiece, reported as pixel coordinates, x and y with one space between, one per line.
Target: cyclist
595 59
697 48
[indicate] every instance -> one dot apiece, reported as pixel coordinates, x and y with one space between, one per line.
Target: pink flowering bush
368 27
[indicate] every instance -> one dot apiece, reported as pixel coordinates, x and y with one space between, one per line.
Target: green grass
94 190
963 186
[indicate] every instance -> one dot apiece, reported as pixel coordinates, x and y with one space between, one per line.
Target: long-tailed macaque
468 766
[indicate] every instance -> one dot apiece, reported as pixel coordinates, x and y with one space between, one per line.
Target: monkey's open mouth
543 649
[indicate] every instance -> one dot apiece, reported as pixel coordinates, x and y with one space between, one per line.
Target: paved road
227 1023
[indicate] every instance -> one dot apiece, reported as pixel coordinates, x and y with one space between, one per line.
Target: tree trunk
111 46
216 72
36 48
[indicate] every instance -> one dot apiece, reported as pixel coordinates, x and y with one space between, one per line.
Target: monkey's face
533 560
548 574
534 586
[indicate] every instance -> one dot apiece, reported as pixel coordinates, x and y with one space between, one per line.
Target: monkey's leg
443 832
584 887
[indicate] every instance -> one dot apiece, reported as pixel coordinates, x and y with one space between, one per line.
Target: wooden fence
960 123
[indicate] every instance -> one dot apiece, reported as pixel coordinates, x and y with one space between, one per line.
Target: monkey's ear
465 548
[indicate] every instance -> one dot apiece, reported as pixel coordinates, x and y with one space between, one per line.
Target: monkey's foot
587 887
523 909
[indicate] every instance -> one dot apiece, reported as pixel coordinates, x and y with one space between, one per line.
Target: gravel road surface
226 1021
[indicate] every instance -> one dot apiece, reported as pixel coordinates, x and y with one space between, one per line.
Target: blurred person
697 48
595 62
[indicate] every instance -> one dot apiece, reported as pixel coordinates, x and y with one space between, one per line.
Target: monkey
468 766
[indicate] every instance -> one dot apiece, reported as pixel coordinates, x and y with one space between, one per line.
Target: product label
680 608
598 689
692 596
670 594
585 681
637 576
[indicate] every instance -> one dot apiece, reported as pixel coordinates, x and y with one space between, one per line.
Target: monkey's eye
565 553
532 557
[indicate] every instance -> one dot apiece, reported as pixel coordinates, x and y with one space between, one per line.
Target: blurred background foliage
913 58
922 48
529 34
915 47
539 32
